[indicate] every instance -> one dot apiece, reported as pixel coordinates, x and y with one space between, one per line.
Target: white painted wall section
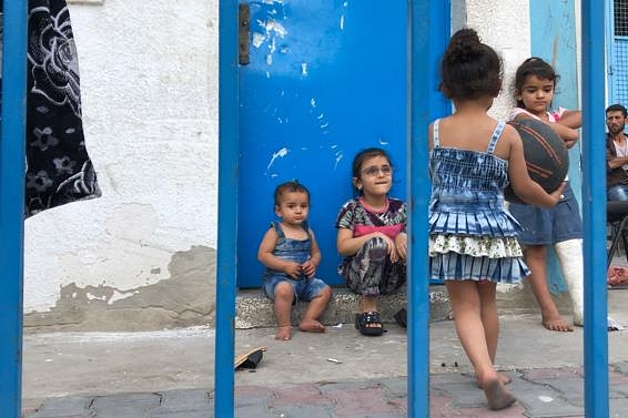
505 26
149 75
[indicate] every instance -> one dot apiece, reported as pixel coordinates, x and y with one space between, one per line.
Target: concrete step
254 310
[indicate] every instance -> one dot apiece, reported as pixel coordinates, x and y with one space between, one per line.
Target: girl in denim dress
291 255
472 237
559 227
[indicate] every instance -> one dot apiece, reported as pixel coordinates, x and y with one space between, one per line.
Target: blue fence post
422 32
227 211
12 204
594 208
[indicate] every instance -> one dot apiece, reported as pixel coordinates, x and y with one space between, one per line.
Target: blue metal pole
594 208
227 210
422 30
12 136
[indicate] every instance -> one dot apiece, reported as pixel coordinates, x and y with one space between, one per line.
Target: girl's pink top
552 116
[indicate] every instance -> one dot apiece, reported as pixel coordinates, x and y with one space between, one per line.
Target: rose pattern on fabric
53 57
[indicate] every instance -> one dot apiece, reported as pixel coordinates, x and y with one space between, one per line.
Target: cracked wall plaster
186 298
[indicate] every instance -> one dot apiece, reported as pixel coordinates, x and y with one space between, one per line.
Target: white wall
149 75
505 26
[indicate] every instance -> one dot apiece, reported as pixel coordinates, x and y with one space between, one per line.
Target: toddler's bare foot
497 395
556 323
284 332
502 377
311 325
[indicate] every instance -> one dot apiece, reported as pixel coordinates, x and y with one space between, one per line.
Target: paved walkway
170 373
547 392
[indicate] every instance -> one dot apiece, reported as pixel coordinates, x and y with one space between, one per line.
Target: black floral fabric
59 169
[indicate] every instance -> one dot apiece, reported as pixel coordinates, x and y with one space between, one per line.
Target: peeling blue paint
341 83
553 38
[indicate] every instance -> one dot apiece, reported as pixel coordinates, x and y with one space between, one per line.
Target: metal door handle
244 27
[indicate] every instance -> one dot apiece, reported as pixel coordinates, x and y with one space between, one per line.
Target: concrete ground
101 366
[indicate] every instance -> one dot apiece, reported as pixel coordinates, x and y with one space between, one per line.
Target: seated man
616 154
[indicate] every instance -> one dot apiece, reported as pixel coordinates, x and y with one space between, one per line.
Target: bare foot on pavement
497 395
556 324
311 325
502 377
284 332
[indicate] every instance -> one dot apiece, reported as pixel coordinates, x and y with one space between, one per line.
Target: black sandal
367 323
250 359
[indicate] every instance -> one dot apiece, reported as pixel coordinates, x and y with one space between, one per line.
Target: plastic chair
617 217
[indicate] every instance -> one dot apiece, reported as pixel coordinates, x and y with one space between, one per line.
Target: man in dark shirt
616 153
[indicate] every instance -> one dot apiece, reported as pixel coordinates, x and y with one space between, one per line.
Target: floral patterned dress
58 168
472 235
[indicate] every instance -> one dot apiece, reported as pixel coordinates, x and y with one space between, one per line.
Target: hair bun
464 45
470 69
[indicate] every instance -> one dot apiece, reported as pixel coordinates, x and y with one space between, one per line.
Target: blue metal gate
617 41
423 14
12 147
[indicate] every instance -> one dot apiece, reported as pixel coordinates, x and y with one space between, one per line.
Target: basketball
545 153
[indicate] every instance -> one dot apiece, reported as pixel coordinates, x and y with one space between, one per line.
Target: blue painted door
555 21
326 78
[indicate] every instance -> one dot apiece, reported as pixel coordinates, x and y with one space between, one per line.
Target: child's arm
568 134
401 243
526 188
349 245
309 267
571 118
266 257
401 240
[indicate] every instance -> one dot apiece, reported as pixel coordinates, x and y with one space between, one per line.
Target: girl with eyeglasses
559 227
372 238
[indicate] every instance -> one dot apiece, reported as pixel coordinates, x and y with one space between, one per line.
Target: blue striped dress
472 236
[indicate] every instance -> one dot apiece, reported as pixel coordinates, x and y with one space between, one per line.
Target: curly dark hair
469 68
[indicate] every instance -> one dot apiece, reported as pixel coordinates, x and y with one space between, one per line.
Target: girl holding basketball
561 226
473 239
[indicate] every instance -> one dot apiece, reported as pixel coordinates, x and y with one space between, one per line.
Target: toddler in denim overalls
291 255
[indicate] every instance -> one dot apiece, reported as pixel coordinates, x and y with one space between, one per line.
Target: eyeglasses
374 170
